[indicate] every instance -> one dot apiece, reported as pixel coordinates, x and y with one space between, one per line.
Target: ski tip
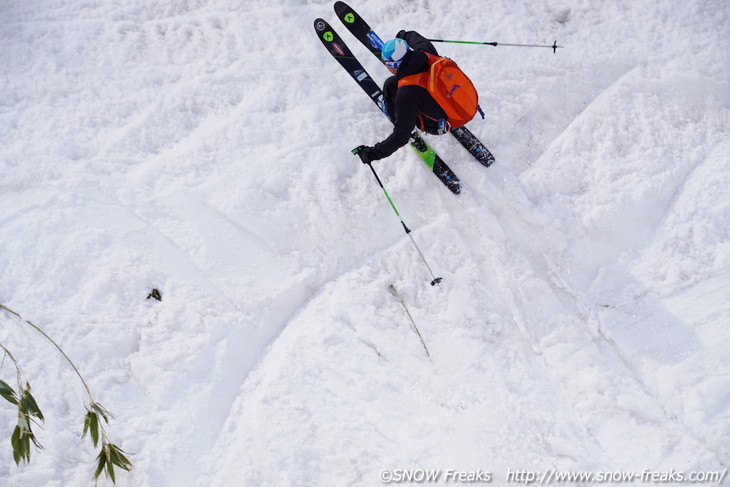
341 6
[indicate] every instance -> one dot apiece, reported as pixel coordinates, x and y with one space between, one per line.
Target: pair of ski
339 50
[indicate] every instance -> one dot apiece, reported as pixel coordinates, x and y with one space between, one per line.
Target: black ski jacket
411 101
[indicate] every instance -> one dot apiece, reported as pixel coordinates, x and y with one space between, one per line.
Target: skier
408 106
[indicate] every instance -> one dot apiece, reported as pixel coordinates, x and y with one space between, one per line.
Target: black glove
367 154
401 35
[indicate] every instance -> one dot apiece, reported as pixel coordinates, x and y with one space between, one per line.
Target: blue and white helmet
393 52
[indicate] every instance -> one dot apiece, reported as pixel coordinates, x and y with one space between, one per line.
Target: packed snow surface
202 148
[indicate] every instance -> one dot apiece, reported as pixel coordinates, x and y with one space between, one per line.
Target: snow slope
202 148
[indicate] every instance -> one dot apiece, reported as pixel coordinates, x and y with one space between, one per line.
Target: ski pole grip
364 155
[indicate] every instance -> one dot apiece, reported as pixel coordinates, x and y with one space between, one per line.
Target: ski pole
435 280
397 295
554 47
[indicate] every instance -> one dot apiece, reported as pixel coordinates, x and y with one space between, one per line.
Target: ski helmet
393 52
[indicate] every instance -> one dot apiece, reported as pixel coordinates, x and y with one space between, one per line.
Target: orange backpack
450 87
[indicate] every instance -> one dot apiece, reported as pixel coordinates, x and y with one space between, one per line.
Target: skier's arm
417 42
406 115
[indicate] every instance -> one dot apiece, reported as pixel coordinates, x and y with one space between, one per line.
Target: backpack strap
418 79
426 79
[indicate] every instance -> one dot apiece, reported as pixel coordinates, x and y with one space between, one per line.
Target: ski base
473 145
